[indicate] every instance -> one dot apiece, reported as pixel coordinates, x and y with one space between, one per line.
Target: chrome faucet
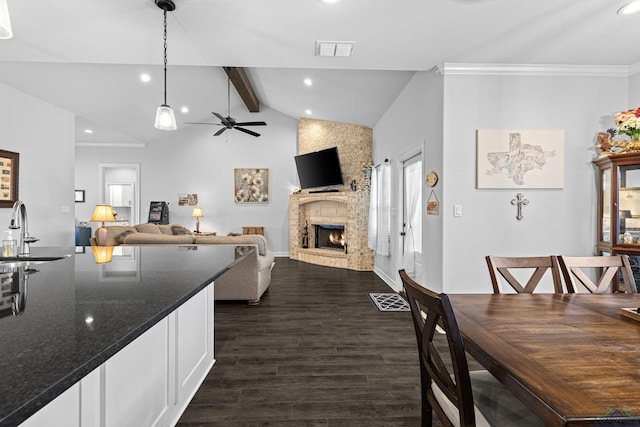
21 223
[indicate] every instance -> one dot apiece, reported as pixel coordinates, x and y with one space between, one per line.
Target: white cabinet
149 382
120 194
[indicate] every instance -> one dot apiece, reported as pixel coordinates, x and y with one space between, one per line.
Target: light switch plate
457 210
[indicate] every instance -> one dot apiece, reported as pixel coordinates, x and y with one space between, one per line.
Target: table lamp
102 213
197 214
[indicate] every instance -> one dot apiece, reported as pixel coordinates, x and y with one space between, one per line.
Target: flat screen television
319 169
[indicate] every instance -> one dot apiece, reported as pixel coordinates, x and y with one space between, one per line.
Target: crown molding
111 144
534 70
634 68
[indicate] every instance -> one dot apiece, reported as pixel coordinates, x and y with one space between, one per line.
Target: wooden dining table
571 358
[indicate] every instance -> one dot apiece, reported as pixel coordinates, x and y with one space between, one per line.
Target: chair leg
427 412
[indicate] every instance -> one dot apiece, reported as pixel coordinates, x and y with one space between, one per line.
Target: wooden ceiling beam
242 84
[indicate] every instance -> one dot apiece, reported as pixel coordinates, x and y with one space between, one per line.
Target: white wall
192 160
444 113
413 122
556 221
44 136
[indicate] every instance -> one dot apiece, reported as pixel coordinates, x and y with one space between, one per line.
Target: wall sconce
102 213
197 214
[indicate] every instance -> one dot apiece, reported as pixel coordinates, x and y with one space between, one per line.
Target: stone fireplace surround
341 208
345 207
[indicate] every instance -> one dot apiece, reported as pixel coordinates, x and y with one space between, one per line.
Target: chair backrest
429 309
501 266
573 270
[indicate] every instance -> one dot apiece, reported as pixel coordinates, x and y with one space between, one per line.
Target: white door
412 216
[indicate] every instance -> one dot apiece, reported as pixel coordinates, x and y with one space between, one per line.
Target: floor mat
389 302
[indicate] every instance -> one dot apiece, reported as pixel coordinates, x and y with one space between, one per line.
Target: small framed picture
79 196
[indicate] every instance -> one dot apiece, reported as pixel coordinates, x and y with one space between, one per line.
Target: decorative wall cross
519 201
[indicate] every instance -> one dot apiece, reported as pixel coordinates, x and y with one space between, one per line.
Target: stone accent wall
354 142
348 208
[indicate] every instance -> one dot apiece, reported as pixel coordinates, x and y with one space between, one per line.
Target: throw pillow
234 234
120 237
178 229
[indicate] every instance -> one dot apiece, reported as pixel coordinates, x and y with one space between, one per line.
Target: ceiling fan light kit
5 21
165 117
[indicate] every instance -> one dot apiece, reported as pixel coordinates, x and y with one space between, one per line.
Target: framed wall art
520 158
79 194
251 185
9 174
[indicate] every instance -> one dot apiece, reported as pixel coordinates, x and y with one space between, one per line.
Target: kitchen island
126 342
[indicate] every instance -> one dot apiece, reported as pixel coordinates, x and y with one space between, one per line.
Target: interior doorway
120 188
411 233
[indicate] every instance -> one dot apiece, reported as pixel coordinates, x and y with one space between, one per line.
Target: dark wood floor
315 352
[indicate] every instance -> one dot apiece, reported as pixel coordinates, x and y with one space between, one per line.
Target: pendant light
165 117
5 21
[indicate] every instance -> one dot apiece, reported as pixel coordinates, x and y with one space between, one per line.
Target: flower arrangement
628 123
366 169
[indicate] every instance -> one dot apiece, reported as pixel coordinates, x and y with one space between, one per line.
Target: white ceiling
86 55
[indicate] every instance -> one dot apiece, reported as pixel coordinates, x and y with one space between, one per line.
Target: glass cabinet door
629 205
606 205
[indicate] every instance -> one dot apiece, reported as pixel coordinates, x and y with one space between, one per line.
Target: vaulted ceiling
87 56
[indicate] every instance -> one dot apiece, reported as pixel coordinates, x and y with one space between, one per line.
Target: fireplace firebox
329 236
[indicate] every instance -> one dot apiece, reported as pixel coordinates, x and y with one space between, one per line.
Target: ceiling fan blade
247 131
220 131
251 124
222 119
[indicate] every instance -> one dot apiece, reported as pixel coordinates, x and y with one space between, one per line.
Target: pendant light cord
165 56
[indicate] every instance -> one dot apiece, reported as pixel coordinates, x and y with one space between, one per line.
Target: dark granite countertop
79 313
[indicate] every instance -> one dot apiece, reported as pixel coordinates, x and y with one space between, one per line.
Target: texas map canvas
520 158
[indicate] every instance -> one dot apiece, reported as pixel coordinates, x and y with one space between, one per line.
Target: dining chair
457 396
574 270
504 267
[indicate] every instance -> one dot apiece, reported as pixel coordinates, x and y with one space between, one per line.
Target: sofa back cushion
148 228
165 229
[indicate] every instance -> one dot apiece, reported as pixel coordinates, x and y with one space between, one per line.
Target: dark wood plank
570 357
315 352
242 84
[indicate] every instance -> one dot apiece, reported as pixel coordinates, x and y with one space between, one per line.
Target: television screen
319 169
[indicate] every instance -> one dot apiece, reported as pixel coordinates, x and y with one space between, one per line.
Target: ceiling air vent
329 48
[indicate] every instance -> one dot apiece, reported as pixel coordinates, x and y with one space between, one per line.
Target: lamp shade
5 21
102 213
102 254
165 117
197 213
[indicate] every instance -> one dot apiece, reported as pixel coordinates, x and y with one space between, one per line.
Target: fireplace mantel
348 208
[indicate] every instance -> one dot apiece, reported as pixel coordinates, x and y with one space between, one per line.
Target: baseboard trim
386 279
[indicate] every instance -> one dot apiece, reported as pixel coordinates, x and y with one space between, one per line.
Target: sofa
249 277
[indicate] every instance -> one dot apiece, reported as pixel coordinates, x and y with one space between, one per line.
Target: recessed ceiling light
144 77
629 8
308 112
88 131
308 82
329 1
184 109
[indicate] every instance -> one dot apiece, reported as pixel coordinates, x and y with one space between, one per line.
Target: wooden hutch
618 214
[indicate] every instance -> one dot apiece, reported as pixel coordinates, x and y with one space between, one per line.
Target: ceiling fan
229 122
